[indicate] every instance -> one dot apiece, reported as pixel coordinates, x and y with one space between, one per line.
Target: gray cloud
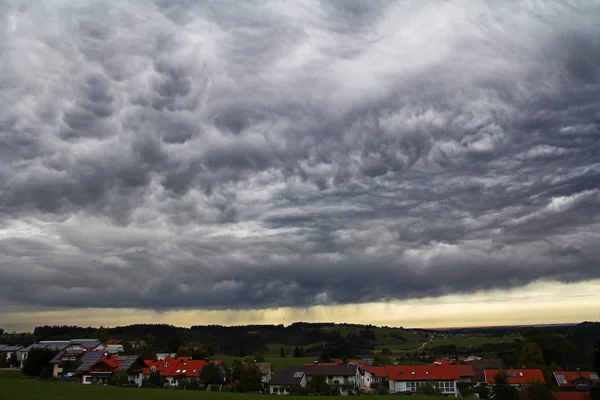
253 154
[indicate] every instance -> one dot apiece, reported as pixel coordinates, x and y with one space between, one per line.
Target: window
446 386
166 364
561 379
88 379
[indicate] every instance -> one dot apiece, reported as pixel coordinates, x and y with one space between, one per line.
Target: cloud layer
245 155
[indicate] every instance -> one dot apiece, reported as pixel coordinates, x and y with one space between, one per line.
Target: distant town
316 358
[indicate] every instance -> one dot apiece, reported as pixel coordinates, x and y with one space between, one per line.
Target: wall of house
137 378
57 370
447 387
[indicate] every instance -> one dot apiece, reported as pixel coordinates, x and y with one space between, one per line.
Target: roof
264 367
566 379
571 395
485 363
6 348
88 360
288 376
116 364
114 341
177 366
57 359
334 370
379 372
516 376
435 372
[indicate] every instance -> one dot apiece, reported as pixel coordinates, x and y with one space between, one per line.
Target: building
581 381
59 345
516 377
175 369
6 351
66 359
405 379
287 381
114 345
266 371
346 377
479 365
374 374
98 368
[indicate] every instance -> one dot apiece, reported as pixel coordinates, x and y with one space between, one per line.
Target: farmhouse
287 381
516 377
6 351
98 368
576 380
347 377
444 377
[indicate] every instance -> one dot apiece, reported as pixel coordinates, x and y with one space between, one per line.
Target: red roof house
408 378
516 377
578 380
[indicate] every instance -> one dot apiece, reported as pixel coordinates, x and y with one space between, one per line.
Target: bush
119 379
36 360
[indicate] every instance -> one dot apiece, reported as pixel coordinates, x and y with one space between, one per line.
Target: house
347 377
287 381
266 371
162 356
59 345
175 369
576 380
482 364
98 368
63 359
373 374
404 379
114 345
516 377
6 351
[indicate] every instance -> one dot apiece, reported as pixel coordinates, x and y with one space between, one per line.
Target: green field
276 361
12 386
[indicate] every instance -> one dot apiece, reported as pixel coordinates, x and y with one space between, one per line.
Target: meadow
13 386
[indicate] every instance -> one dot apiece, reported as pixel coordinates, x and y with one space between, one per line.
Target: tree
531 355
318 384
210 375
282 352
36 360
251 379
501 388
595 393
127 348
119 378
173 345
259 357
428 389
101 334
12 360
324 357
296 352
236 370
155 380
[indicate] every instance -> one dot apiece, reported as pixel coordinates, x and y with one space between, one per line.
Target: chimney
578 369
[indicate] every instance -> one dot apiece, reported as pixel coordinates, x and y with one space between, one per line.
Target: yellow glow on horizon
539 303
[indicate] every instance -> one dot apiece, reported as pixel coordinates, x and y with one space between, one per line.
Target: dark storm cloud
250 154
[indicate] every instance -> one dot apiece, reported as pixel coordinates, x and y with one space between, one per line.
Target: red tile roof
522 376
178 366
380 372
428 372
114 341
571 376
571 395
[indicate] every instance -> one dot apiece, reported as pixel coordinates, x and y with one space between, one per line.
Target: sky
403 163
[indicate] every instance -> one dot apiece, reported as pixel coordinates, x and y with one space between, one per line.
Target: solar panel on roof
561 379
511 374
298 374
594 376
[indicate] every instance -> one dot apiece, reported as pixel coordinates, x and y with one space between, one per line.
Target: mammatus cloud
246 155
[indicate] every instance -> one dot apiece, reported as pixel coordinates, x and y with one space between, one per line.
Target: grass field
276 361
12 386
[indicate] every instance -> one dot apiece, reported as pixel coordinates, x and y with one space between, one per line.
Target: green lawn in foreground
12 386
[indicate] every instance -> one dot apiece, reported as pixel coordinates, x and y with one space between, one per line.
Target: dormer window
153 369
166 364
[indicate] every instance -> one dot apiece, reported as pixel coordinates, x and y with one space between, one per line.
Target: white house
444 377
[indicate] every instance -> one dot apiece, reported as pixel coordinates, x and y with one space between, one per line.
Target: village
93 362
